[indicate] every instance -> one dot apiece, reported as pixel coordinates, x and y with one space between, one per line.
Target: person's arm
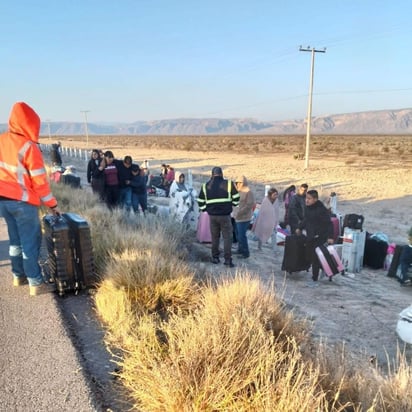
235 195
201 200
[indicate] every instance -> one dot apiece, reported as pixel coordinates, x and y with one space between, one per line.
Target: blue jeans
125 198
23 226
243 247
139 199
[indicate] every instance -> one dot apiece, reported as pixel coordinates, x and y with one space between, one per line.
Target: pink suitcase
329 260
203 234
336 228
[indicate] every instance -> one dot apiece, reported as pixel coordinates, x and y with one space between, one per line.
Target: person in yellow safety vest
23 187
217 197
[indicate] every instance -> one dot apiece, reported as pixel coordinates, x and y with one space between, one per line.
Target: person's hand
298 232
55 211
330 242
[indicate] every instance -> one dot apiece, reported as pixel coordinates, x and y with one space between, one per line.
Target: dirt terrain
362 310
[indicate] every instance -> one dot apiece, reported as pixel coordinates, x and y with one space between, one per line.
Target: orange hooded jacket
22 173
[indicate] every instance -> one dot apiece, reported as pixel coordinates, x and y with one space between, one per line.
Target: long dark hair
291 188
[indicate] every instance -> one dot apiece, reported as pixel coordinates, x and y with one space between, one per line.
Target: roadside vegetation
189 342
397 148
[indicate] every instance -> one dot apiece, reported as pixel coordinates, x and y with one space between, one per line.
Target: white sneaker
42 289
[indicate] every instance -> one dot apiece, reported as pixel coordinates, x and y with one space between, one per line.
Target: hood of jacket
177 176
242 179
24 121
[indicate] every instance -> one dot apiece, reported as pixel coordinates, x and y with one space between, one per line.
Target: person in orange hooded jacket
23 188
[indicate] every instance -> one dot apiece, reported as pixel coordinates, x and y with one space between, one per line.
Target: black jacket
55 156
218 196
92 166
296 211
317 223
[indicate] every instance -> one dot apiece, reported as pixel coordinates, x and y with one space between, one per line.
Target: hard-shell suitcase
82 249
60 264
203 234
329 260
294 257
395 261
336 228
375 253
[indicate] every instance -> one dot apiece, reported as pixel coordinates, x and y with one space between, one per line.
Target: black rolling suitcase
70 263
375 253
82 249
294 257
395 261
59 264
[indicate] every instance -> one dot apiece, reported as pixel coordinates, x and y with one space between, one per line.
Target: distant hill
372 122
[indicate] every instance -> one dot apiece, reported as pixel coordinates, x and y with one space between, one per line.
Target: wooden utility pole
85 126
309 116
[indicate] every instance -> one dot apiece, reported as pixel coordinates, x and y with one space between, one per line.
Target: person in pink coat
267 219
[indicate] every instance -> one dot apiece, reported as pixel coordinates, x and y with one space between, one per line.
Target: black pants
312 257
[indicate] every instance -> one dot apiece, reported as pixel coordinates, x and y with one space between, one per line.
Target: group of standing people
119 183
223 199
306 214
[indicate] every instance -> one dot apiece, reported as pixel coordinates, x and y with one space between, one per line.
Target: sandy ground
360 311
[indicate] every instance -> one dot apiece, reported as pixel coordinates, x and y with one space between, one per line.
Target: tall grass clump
238 351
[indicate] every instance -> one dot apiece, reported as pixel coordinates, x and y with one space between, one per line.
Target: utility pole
48 126
85 126
309 117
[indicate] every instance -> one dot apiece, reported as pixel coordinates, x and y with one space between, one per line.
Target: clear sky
129 60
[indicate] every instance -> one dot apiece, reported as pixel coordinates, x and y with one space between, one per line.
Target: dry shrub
233 353
136 282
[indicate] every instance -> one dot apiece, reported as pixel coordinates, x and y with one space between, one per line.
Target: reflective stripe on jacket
22 172
218 196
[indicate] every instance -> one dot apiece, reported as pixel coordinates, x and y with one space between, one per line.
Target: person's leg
274 240
15 250
242 238
135 202
312 257
240 244
29 232
143 201
405 260
127 198
215 232
227 234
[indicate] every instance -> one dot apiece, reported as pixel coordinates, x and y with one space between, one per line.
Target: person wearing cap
218 197
23 188
243 215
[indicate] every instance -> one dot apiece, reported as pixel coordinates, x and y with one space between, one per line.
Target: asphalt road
40 368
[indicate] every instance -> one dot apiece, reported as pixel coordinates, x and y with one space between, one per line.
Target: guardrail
68 151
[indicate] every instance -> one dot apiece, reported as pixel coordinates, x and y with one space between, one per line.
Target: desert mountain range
372 122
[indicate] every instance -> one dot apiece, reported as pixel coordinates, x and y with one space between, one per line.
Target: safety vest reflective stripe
221 199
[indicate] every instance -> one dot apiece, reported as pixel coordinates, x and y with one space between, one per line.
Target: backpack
353 221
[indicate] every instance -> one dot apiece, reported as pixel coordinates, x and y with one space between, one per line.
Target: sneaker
230 264
406 282
19 280
215 260
244 256
42 289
